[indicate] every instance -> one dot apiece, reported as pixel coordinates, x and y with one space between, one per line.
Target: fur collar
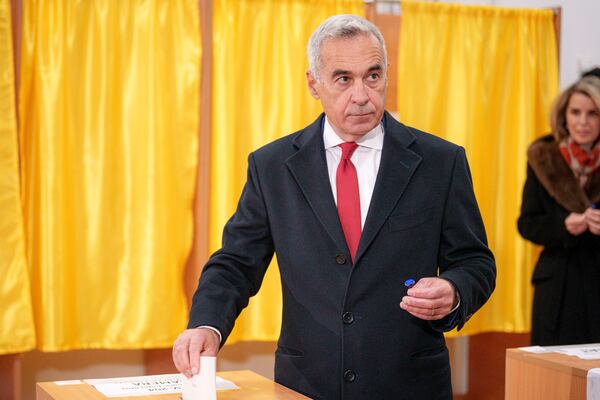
557 178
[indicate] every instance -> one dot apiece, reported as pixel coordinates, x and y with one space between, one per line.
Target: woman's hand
592 217
576 223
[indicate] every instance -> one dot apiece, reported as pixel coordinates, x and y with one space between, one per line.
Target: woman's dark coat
566 305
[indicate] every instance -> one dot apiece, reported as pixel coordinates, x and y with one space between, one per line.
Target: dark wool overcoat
566 277
343 334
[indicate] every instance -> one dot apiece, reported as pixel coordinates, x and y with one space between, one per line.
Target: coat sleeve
541 220
235 272
464 258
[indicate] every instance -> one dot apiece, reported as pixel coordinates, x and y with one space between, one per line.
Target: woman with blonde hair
559 211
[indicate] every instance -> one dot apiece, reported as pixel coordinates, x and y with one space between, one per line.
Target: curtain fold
16 319
109 102
259 94
484 77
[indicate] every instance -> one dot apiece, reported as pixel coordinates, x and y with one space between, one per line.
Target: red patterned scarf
583 162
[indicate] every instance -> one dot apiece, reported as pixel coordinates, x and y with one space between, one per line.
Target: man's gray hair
340 26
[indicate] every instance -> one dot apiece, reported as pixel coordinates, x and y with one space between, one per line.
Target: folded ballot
201 386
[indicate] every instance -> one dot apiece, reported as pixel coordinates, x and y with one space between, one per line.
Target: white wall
580 32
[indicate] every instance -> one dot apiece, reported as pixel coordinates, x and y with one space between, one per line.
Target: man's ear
312 85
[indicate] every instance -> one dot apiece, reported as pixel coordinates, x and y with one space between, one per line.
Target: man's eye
343 79
374 77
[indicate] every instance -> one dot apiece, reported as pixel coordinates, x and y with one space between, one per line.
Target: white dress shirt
366 159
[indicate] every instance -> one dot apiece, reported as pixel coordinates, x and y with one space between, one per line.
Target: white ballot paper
70 382
534 349
137 385
148 385
585 352
201 386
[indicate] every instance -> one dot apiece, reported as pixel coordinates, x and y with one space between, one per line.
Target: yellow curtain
484 77
259 94
109 112
16 318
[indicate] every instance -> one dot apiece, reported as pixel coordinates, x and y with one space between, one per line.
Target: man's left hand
430 299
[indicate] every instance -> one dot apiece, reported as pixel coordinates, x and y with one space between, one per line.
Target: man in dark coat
354 205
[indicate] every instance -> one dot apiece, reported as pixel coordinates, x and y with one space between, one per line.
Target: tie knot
347 149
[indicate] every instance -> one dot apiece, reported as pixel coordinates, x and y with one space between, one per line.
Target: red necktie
348 198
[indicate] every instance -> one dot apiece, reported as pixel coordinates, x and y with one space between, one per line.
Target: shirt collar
373 139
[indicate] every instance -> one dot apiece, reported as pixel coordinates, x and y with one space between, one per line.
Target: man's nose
359 93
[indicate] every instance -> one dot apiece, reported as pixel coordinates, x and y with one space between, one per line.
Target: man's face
352 84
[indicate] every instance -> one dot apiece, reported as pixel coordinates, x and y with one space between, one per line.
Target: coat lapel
309 168
398 164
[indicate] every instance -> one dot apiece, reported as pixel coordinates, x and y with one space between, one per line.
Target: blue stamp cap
409 283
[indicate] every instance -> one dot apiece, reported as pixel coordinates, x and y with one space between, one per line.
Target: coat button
348 318
349 375
340 259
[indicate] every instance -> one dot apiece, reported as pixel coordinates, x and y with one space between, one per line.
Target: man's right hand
190 345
